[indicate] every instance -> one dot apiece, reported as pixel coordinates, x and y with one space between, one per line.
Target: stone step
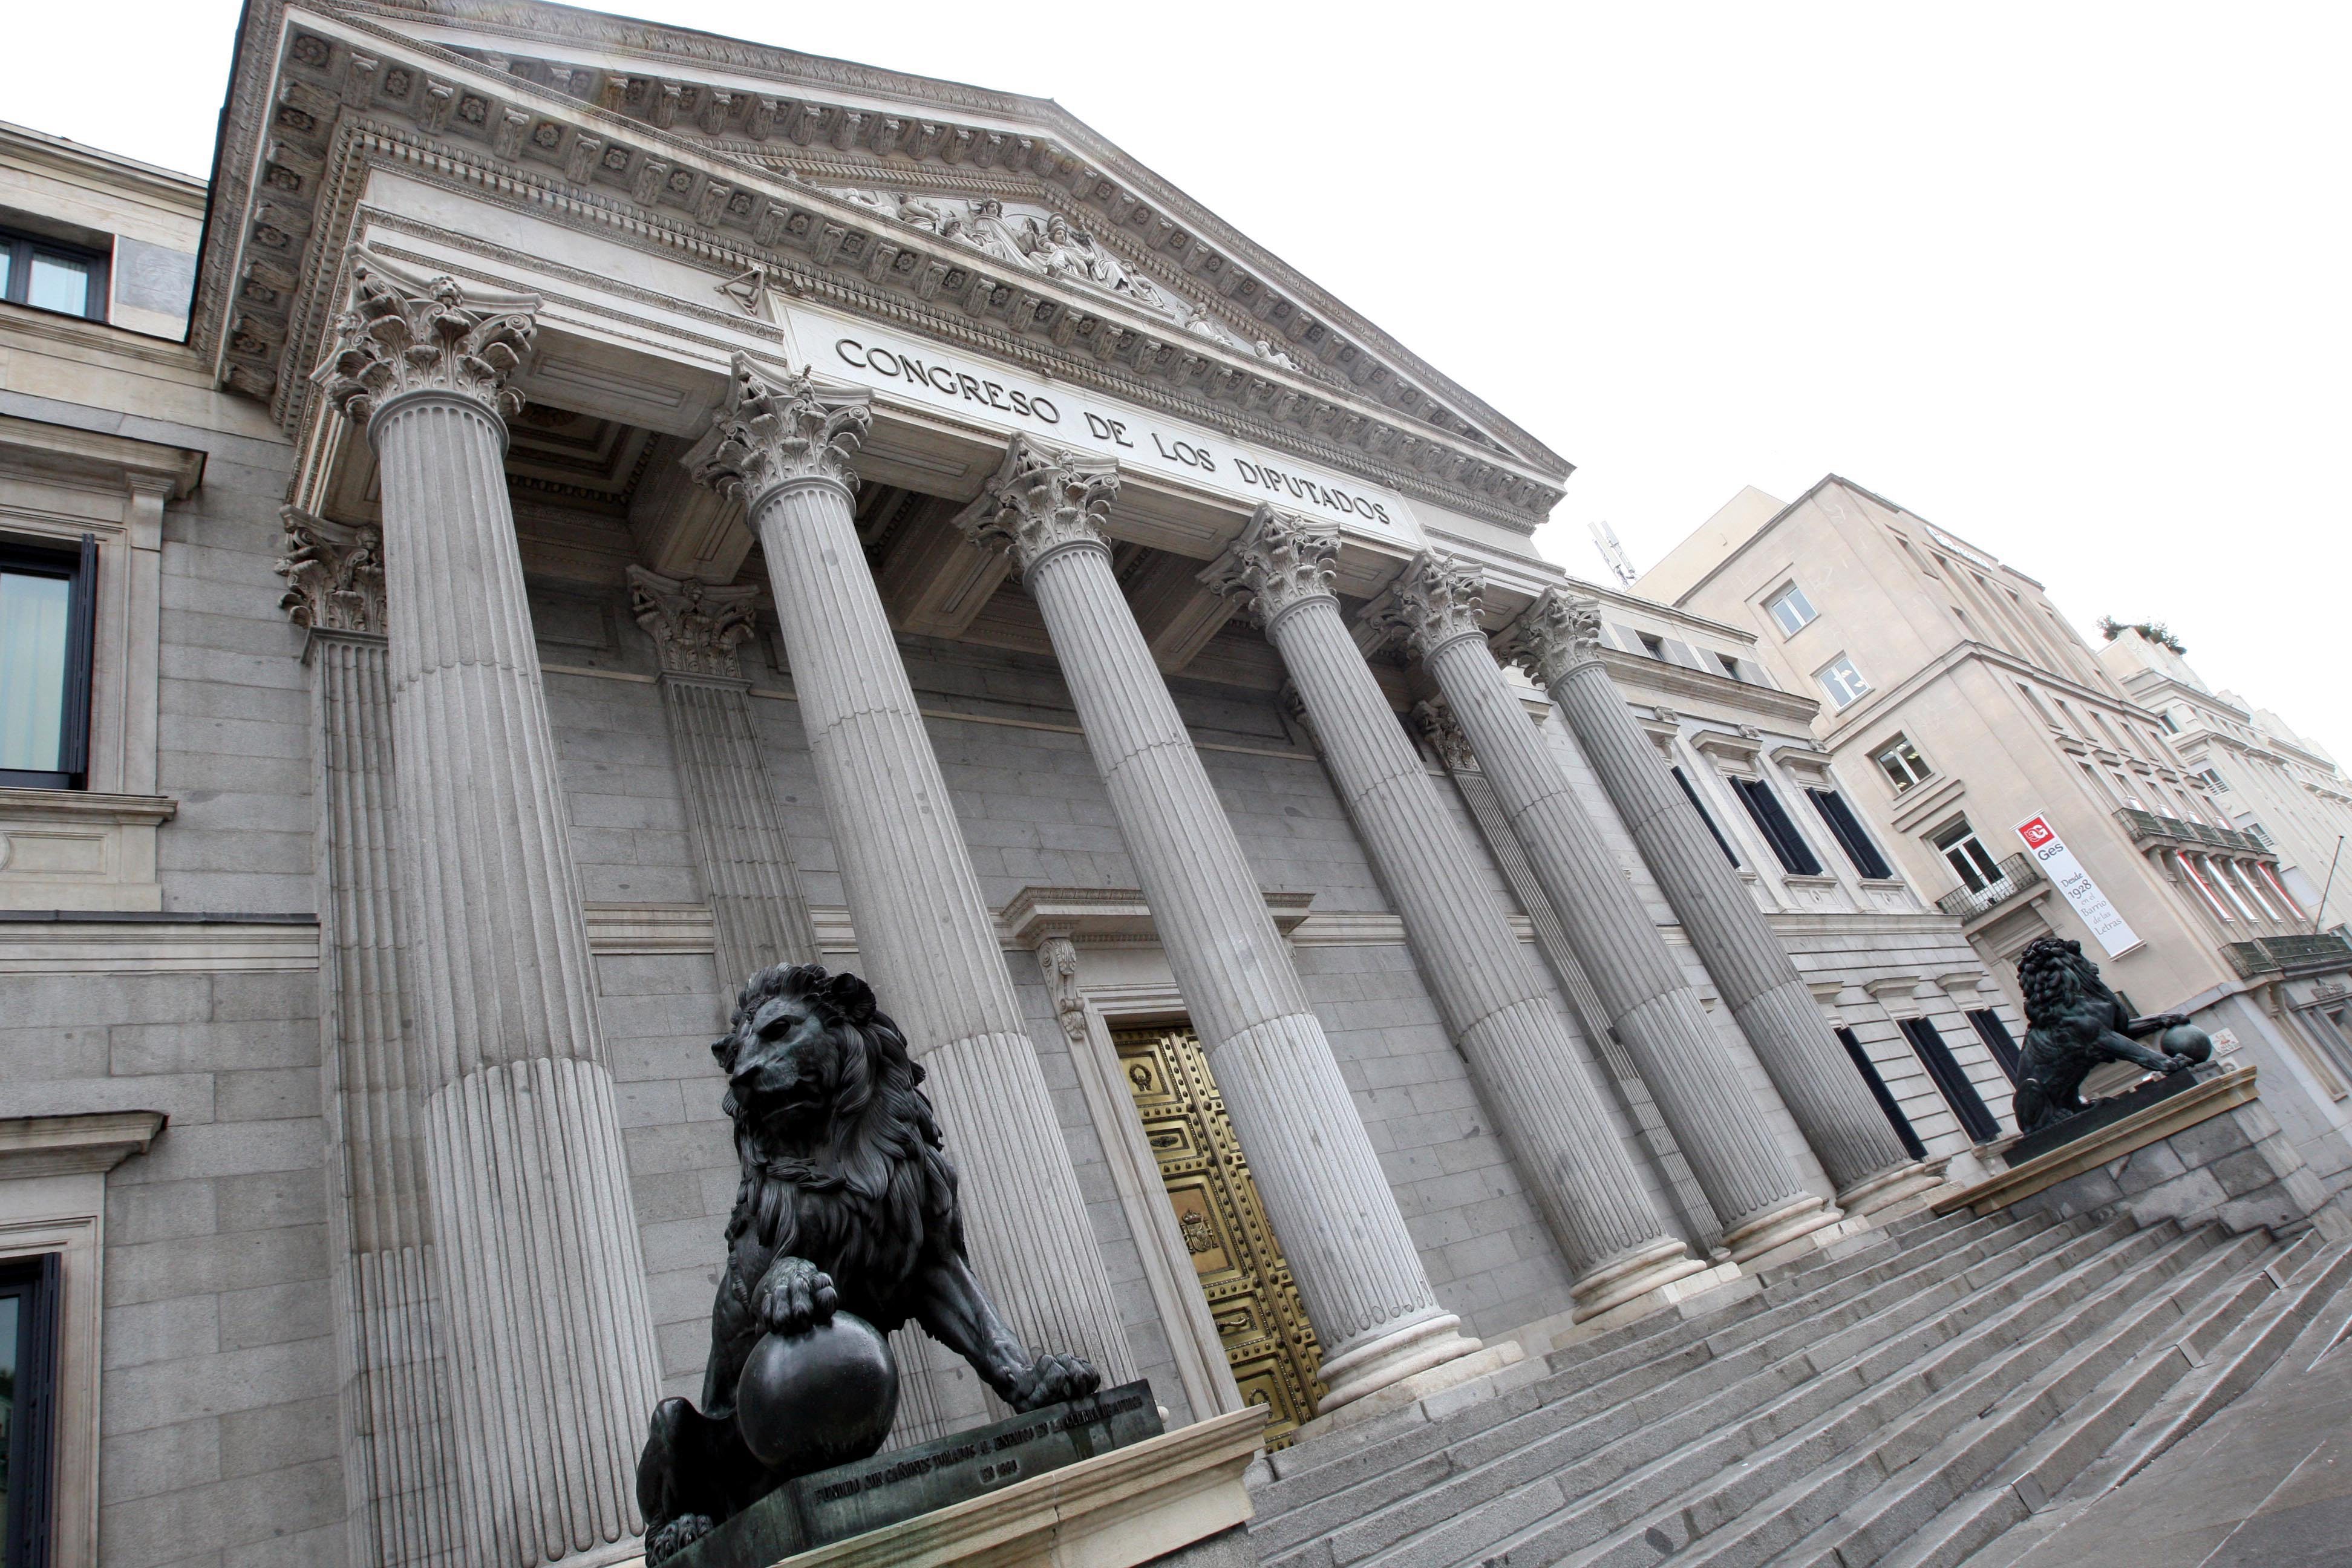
1589 1478
2086 1388
1999 1522
1746 1505
1613 1366
1552 1423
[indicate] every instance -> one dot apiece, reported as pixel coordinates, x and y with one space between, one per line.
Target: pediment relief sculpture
1031 238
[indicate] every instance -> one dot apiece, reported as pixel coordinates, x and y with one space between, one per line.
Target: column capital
406 332
1434 717
1434 602
1560 631
1281 561
1041 500
334 573
776 431
695 626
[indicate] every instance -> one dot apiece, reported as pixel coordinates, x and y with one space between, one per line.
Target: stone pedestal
925 939
552 1366
1511 1031
1558 640
1358 1272
1654 1011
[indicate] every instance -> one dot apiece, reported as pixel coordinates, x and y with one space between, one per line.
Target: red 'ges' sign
2036 833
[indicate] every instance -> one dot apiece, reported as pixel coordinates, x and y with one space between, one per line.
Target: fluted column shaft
1519 1047
539 1240
1752 972
759 916
925 935
1656 1012
1356 1265
398 1460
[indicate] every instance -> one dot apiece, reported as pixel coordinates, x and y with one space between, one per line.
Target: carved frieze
405 333
1280 562
776 431
334 573
695 626
1556 633
1041 500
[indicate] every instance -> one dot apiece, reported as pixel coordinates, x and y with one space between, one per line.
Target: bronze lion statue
2073 1023
847 1203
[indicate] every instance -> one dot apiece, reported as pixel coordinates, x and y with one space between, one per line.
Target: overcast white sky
2069 280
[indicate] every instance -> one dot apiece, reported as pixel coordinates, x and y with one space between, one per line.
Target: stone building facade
1961 710
628 507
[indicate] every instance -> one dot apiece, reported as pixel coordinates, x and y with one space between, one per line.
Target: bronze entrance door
1260 1321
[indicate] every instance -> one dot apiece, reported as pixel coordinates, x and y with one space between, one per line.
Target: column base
1464 1381
1390 1355
1776 1228
1694 1295
1873 1194
1633 1274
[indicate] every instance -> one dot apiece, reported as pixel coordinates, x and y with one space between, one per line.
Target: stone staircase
1904 1399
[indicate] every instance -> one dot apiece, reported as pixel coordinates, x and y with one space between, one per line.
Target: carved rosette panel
1281 561
776 431
1434 603
408 332
1041 500
334 573
695 626
1557 632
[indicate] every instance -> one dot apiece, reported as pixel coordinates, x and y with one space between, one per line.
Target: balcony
2289 954
2146 828
2017 873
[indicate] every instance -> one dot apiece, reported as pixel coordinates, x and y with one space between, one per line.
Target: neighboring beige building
2270 782
1958 706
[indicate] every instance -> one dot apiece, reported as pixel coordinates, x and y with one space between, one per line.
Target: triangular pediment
1004 209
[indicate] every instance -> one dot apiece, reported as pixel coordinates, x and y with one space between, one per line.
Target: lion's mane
2056 980
879 1189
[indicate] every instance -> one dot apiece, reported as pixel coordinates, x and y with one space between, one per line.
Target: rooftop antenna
1604 540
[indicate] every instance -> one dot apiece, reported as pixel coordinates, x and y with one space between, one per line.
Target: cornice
1099 163
74 1145
1636 673
518 139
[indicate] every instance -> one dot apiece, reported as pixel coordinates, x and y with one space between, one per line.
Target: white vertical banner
2066 874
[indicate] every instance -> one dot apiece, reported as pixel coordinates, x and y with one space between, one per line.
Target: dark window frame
22 248
1976 1118
37 1283
79 567
1905 1133
1998 1040
1851 837
1772 820
1690 793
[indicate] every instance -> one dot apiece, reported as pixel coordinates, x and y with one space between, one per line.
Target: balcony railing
2018 873
2146 828
2282 954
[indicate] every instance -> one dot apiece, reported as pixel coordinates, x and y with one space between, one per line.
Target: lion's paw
1052 1379
669 1539
794 1296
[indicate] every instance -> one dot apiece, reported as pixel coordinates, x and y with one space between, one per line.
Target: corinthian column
925 936
399 1487
1653 1010
1357 1270
1559 640
1517 1044
550 1353
758 914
